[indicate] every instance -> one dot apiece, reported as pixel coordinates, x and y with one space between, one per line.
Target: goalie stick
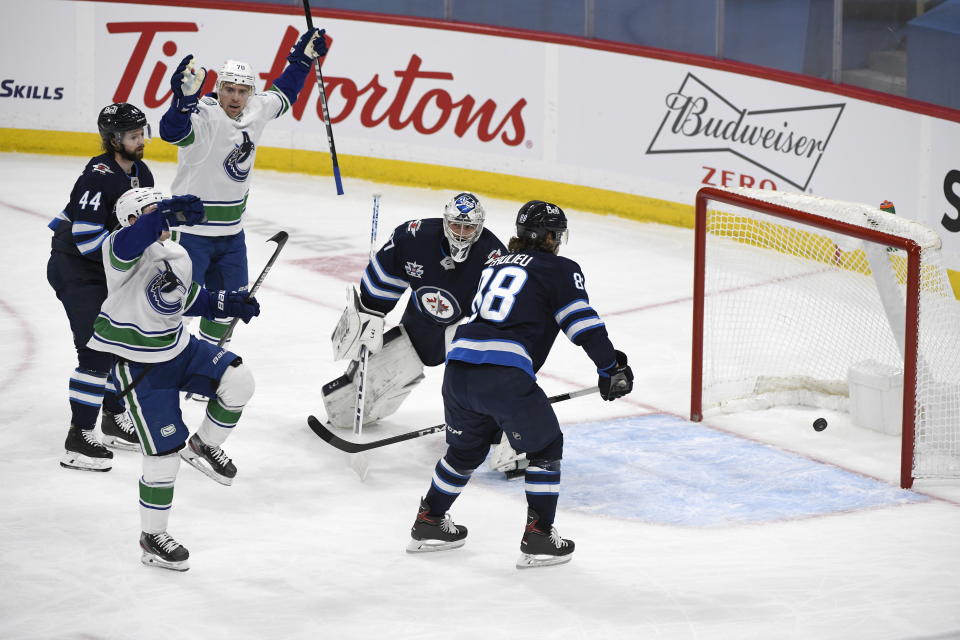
357 447
361 375
280 238
323 107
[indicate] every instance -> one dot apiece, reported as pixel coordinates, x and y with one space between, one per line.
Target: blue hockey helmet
536 218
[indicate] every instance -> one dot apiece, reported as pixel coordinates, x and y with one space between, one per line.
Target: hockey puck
819 424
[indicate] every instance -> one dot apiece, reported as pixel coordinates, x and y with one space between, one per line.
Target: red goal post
797 289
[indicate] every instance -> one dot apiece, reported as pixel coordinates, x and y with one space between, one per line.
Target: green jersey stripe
132 337
119 263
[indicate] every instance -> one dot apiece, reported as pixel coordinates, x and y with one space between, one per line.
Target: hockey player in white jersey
150 289
217 136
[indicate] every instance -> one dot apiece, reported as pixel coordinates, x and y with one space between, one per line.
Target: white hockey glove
357 327
505 458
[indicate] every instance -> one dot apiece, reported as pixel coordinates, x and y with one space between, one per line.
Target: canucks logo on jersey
441 306
165 292
237 164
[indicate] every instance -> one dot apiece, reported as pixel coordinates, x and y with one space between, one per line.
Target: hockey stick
357 447
364 352
280 238
323 107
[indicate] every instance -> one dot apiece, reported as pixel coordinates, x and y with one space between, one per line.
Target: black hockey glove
186 83
311 45
616 380
234 304
182 210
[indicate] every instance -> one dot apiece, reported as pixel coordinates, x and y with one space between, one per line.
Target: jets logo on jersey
165 293
440 305
413 227
493 255
101 168
414 270
237 164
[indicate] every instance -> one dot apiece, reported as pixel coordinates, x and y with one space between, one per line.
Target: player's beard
132 156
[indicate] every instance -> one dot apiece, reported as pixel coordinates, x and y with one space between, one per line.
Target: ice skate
119 431
210 460
161 550
84 452
541 548
433 533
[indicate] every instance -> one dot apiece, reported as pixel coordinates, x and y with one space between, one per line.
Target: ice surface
753 526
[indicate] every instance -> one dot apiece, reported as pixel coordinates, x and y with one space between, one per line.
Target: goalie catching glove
616 380
358 327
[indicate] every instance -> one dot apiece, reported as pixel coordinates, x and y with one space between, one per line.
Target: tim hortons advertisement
388 87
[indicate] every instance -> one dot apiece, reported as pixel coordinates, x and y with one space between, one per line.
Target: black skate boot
84 451
119 431
540 548
210 460
161 550
433 533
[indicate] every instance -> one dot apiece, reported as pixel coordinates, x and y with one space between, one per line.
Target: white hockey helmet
462 224
236 72
134 201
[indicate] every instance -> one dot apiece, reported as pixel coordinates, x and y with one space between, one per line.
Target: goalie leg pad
505 458
392 373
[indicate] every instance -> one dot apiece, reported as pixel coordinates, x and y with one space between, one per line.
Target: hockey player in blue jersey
217 137
141 323
439 260
523 301
75 272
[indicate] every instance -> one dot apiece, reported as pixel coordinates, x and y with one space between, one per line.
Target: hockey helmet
134 201
462 224
236 72
118 118
536 218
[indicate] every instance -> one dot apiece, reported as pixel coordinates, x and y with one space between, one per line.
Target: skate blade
200 465
531 561
153 561
119 444
84 463
427 546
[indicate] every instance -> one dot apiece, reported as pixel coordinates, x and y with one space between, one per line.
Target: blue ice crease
667 470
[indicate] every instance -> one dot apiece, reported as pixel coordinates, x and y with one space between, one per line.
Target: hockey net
791 291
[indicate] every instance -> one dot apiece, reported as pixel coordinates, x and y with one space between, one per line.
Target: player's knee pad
549 457
236 385
466 460
161 469
391 375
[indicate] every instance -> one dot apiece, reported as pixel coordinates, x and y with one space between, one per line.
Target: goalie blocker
392 373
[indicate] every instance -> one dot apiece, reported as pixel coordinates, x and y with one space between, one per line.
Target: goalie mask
236 72
462 224
537 218
134 201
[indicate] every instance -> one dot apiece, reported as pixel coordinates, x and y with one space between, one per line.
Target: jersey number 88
496 294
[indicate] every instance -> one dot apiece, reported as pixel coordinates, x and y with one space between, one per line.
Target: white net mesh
789 309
